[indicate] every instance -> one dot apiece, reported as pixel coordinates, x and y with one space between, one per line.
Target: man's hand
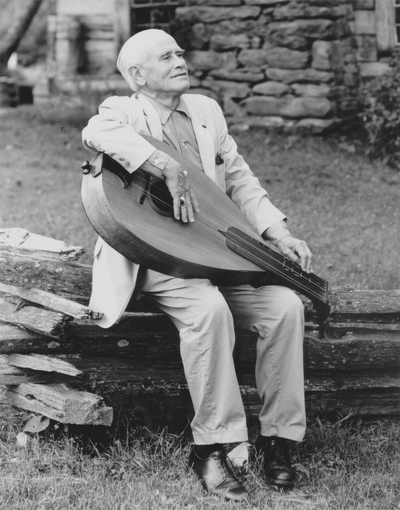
296 250
185 202
165 167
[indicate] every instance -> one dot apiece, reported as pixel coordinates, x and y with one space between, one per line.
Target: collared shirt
177 131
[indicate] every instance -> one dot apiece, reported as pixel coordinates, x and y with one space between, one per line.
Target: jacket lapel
204 140
152 119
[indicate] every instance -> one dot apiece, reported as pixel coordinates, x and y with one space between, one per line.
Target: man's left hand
296 250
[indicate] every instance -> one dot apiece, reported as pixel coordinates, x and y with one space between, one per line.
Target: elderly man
153 65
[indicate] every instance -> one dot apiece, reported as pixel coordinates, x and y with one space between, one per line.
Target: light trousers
205 316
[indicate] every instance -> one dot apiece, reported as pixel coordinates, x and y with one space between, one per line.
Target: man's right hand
185 202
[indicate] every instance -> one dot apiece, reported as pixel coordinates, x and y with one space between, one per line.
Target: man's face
165 72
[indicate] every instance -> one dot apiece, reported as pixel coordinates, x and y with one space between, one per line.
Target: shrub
381 115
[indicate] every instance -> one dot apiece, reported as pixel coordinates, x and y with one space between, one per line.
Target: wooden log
28 260
52 301
39 320
43 363
59 402
171 402
366 305
156 342
21 239
11 375
109 371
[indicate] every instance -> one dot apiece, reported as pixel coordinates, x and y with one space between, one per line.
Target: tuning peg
86 167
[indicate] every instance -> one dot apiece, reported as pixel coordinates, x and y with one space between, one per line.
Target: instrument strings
206 225
213 229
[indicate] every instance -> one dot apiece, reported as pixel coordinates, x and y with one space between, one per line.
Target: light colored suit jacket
116 130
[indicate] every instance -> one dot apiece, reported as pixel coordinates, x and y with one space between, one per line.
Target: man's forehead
167 47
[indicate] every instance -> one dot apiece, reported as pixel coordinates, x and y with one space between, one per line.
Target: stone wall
294 63
280 62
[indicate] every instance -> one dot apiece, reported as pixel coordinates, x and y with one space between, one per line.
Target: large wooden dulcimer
133 213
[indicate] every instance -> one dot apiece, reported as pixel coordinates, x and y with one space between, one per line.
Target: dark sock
261 442
203 451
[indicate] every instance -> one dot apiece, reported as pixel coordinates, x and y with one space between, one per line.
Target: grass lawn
347 209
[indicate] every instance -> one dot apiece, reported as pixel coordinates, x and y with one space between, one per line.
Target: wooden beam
43 363
11 238
39 320
385 26
58 402
51 301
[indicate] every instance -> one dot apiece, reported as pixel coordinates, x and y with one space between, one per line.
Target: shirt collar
164 112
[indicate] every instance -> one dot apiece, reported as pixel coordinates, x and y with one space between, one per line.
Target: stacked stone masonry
275 62
279 62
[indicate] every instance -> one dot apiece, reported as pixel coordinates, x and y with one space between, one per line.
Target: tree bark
16 31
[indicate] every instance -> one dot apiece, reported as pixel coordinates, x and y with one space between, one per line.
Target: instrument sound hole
160 198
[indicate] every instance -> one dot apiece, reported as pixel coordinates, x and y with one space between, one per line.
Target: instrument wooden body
136 219
153 238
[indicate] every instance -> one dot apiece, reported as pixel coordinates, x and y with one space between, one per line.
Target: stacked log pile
52 354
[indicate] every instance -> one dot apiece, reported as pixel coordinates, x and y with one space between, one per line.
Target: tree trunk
16 31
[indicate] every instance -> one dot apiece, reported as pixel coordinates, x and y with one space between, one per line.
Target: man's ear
136 72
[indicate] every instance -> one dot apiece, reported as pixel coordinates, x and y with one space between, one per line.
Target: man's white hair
136 50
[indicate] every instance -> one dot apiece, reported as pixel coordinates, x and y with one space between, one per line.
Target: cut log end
58 402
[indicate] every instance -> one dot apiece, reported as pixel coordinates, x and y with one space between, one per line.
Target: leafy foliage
381 115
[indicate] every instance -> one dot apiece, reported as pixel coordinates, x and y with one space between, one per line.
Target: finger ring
185 173
182 201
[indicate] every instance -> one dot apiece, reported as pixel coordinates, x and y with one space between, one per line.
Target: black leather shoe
216 477
275 456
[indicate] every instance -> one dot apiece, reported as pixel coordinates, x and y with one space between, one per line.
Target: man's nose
179 61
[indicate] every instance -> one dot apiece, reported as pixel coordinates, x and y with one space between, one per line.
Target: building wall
286 62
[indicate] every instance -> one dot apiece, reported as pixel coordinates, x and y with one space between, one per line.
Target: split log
29 260
58 402
51 301
43 363
21 239
17 369
45 322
